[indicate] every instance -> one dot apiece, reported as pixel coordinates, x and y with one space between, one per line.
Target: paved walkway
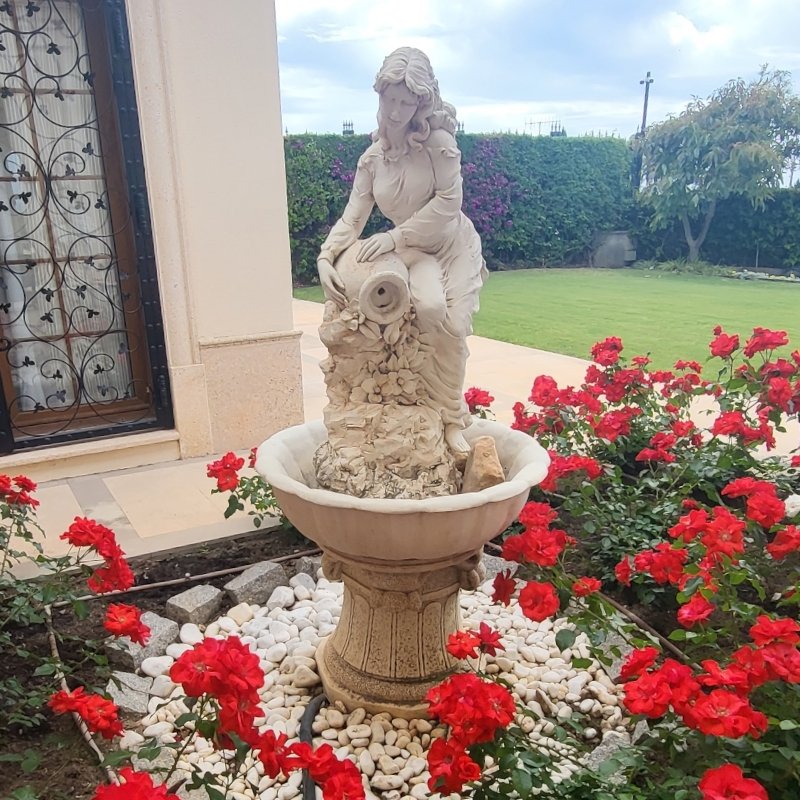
169 506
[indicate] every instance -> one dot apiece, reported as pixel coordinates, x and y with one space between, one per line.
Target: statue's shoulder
372 153
441 143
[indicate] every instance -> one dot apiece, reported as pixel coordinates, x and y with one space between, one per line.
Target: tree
736 142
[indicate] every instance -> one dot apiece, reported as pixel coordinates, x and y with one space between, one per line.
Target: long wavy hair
411 66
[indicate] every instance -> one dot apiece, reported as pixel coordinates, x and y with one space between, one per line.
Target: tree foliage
736 142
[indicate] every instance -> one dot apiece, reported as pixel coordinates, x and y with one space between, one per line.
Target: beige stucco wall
208 96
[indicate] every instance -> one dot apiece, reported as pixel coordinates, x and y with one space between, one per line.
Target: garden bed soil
67 769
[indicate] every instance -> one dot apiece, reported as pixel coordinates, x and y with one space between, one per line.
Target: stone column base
390 646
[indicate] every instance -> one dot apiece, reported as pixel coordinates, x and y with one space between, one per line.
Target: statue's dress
420 192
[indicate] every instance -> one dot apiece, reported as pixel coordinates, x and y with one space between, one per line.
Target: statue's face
397 105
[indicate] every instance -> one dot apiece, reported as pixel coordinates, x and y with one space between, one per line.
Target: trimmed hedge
534 200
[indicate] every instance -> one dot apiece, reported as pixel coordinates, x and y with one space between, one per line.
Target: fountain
377 483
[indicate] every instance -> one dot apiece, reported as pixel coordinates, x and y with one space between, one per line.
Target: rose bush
690 519
220 677
249 492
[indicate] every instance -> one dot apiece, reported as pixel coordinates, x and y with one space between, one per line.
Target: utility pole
636 166
646 81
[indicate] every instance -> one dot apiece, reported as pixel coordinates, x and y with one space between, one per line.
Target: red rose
780 393
623 571
251 458
489 639
544 392
690 525
473 708
607 352
477 398
614 424
638 662
225 471
24 483
724 534
733 677
503 586
786 541
561 466
649 694
344 784
463 644
100 715
728 783
698 609
651 454
586 586
729 423
538 601
133 786
753 663
765 509
783 661
537 515
725 713
764 339
85 532
124 620
115 576
272 752
543 546
450 767
663 563
724 345
771 631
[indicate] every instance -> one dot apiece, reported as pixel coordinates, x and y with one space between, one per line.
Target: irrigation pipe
185 579
81 725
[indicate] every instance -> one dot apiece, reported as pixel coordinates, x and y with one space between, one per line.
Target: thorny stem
186 742
81 725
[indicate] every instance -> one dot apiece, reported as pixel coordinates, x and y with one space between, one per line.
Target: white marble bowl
399 530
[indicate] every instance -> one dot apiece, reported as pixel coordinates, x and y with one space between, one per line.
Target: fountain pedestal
390 646
402 561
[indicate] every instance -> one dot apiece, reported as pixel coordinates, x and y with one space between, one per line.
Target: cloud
504 63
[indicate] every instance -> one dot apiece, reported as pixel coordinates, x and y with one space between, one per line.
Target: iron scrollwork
65 304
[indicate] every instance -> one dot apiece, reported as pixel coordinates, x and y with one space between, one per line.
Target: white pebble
157 665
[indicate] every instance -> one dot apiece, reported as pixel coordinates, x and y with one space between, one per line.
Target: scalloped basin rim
293 448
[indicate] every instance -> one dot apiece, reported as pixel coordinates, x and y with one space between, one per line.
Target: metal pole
646 81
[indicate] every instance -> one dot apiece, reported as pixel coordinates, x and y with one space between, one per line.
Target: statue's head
409 96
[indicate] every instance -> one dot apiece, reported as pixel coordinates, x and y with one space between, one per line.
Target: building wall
207 88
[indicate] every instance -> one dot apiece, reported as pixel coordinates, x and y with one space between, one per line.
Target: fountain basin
402 562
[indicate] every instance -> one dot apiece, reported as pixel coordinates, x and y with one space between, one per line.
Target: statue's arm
349 227
423 229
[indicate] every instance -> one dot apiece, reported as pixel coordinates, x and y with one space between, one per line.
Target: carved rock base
390 646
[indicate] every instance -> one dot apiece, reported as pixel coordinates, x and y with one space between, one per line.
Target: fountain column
390 646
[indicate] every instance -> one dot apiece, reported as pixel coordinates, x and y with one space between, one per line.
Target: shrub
534 200
697 527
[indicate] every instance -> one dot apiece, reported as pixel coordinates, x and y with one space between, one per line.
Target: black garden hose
307 736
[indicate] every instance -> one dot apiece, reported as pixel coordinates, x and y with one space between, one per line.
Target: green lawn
670 316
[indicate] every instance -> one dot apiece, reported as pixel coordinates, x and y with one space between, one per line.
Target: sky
523 65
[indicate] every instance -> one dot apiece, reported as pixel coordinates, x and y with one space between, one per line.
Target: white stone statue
400 302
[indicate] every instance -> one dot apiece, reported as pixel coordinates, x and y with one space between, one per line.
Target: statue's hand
375 246
331 282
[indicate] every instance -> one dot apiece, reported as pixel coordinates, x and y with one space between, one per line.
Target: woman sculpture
412 171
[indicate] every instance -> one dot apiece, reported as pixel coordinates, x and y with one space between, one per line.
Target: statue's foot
455 439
